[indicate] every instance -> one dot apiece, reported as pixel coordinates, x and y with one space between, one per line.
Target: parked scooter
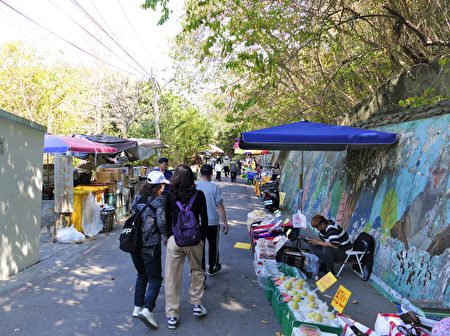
271 196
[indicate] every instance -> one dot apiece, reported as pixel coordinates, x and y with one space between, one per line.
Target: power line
109 35
97 39
134 30
152 78
60 37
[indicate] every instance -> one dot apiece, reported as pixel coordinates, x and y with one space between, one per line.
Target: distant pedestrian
216 211
187 224
218 169
226 165
163 167
233 170
148 259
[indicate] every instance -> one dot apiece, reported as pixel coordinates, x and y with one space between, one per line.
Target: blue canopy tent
305 135
310 136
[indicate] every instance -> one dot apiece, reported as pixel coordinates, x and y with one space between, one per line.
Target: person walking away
233 170
187 225
163 167
216 211
332 243
226 165
218 169
147 260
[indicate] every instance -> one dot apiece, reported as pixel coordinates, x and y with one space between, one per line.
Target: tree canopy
280 61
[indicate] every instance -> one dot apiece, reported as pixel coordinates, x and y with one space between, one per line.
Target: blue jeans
148 266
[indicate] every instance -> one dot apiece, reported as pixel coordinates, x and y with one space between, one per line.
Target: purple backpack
186 230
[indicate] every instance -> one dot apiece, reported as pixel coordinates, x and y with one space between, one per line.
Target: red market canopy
60 144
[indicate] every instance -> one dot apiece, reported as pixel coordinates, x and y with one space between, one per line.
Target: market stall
70 202
296 304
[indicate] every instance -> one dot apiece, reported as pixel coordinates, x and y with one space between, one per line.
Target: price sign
341 298
326 282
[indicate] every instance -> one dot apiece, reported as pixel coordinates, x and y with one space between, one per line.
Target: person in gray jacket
147 261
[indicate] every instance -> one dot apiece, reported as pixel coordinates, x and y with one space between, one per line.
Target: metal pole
301 185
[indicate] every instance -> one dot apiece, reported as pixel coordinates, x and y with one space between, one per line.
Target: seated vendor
332 243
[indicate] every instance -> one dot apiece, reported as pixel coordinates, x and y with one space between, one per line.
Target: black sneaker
215 271
172 323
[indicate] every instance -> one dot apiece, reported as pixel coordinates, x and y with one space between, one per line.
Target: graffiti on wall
399 194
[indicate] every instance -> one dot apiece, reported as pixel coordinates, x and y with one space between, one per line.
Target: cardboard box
105 177
114 171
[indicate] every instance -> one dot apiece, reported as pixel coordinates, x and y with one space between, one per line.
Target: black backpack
130 239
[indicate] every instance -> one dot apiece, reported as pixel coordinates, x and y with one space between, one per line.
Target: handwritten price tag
341 298
326 282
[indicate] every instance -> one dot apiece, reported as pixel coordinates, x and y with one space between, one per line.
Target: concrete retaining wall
400 194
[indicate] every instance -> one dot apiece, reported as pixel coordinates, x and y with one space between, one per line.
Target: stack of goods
255 216
265 250
294 301
270 228
117 181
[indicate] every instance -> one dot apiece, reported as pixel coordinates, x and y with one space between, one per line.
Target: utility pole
156 111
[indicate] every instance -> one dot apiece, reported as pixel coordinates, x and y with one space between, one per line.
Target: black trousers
226 170
218 176
212 236
328 256
233 176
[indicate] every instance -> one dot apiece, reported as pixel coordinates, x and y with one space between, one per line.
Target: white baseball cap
157 177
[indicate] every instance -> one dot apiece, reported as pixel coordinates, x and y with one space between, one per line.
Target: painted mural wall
398 194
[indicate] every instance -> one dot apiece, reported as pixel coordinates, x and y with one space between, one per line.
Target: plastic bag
346 323
312 264
69 235
299 220
92 223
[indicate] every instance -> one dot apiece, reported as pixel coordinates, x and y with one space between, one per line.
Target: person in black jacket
147 260
183 189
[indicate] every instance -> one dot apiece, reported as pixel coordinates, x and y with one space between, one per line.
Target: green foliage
283 61
184 130
54 96
153 4
428 97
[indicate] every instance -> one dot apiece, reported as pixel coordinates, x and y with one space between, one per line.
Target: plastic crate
287 320
294 259
277 305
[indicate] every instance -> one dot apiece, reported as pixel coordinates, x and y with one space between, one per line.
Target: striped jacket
336 235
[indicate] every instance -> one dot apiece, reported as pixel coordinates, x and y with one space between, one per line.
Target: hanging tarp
119 144
306 135
149 143
60 144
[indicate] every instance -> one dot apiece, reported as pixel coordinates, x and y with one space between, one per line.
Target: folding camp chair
362 252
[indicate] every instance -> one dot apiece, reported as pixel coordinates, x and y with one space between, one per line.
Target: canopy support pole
301 185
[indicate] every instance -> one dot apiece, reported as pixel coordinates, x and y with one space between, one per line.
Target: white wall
21 152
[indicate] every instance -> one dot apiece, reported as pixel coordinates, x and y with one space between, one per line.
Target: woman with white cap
147 260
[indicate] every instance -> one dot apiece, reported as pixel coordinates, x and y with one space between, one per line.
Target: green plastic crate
287 320
277 305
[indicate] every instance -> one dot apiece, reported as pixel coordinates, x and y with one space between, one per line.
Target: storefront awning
305 135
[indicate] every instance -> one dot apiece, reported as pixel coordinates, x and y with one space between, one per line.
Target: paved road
87 289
